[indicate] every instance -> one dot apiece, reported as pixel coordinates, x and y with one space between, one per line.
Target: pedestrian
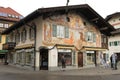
63 61
111 62
114 61
103 62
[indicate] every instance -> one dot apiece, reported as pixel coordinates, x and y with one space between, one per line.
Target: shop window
28 58
68 58
90 58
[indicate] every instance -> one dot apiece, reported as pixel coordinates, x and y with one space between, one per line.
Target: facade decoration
76 36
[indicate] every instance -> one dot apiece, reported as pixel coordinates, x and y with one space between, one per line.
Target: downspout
34 46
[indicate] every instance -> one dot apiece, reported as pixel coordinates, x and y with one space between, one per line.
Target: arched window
17 37
23 35
31 34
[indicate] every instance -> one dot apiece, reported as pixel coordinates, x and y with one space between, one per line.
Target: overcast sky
25 7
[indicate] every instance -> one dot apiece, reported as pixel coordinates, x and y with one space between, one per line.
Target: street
13 73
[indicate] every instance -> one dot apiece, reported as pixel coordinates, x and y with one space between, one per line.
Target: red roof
5 12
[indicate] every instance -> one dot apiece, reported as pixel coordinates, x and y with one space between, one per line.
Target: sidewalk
89 71
83 72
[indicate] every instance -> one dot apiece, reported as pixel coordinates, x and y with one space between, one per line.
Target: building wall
77 31
114 41
78 26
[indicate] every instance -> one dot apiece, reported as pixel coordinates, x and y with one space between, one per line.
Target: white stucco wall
53 57
114 49
115 22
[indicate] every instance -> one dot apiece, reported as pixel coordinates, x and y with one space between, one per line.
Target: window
31 33
68 57
1 24
17 37
23 35
90 58
90 37
114 43
60 31
28 58
6 25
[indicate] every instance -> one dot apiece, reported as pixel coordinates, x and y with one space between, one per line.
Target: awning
24 46
3 51
94 48
60 46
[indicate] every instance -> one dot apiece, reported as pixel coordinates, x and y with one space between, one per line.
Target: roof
83 9
9 14
116 31
112 15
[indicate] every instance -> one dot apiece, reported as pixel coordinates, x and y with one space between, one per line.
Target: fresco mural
77 30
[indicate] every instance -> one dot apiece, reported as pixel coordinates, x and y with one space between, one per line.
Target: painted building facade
46 34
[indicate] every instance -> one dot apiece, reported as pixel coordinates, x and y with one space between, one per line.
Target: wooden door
80 59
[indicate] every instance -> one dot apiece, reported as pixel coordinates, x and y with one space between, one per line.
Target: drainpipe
34 46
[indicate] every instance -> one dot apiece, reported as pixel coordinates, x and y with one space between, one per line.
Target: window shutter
86 36
54 30
66 32
6 38
115 43
94 37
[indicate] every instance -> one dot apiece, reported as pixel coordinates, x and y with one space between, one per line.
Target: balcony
9 46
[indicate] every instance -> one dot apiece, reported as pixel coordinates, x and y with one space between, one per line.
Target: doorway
43 59
80 59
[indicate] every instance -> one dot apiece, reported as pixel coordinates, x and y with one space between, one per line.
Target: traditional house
8 17
47 33
114 39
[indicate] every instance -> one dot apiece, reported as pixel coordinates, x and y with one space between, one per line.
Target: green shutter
6 38
66 32
86 36
110 43
115 43
54 30
94 37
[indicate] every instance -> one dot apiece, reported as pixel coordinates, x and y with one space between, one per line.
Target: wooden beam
115 32
95 19
104 28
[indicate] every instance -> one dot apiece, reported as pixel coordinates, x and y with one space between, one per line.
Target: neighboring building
114 40
47 33
7 17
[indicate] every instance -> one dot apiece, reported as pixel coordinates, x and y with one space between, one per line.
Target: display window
67 56
90 58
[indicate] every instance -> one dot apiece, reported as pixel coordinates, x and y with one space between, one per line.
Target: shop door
80 59
43 59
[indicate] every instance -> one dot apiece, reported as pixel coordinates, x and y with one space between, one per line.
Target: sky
25 7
